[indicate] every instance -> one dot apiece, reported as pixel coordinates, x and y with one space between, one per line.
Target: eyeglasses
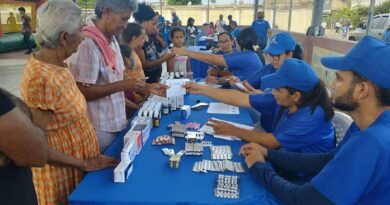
274 57
224 42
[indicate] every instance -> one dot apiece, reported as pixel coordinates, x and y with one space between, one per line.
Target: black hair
260 15
230 16
132 30
22 9
226 33
189 20
144 13
235 23
317 97
125 51
176 29
247 39
298 52
382 94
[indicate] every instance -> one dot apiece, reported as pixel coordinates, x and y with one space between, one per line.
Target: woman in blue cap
358 170
281 47
299 105
242 63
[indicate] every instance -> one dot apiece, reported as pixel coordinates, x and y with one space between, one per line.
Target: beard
345 102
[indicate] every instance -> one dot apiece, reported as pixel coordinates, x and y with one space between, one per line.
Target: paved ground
11 70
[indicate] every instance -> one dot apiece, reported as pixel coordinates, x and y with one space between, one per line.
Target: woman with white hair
57 105
98 69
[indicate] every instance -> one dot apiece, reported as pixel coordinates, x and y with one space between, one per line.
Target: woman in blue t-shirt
281 47
242 64
221 74
299 105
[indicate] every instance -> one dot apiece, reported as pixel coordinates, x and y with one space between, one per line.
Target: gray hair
117 6
55 17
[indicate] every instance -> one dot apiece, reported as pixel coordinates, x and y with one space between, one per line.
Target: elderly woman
99 70
57 105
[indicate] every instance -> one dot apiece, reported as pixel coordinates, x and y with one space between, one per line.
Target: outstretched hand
99 162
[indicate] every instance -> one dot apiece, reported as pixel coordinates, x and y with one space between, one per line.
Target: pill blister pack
227 186
218 166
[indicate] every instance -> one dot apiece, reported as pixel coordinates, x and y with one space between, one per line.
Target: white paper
240 85
212 85
209 130
222 108
175 87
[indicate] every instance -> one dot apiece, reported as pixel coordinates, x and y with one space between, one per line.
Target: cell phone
200 106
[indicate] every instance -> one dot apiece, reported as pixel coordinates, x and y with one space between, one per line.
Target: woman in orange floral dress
57 105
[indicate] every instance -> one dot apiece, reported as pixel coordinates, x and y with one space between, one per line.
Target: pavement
11 70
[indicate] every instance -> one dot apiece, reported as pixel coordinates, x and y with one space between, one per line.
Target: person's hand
253 157
212 79
158 89
194 88
180 51
98 163
213 71
233 80
251 90
222 128
134 84
246 149
168 55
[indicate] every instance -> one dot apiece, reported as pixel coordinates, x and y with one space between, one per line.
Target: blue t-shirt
175 19
360 171
255 79
243 64
302 131
236 32
261 27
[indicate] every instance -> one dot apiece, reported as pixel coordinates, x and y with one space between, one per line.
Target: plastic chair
341 123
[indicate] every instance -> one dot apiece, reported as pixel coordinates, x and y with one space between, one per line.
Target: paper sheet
222 108
209 84
209 130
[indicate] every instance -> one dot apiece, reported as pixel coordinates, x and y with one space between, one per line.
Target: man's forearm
263 138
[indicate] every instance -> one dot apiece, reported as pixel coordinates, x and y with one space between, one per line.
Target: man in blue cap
358 171
299 111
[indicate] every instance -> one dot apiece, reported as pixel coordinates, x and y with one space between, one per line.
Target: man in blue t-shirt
263 30
358 170
175 19
299 121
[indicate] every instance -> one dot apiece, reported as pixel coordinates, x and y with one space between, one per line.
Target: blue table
153 182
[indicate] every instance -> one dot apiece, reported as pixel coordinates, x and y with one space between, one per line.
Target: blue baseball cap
369 58
292 73
280 43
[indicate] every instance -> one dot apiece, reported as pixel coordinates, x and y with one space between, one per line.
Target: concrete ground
11 70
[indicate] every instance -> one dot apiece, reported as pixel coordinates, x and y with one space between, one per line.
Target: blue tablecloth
153 182
199 68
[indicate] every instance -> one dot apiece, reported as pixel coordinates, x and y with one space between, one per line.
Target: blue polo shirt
255 79
360 171
243 64
261 27
236 32
302 131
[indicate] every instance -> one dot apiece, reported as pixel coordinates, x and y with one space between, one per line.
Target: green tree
184 2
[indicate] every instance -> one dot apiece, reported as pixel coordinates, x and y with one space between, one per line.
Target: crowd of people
82 86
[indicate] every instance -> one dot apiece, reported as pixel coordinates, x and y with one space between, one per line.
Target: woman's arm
171 65
147 65
205 57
